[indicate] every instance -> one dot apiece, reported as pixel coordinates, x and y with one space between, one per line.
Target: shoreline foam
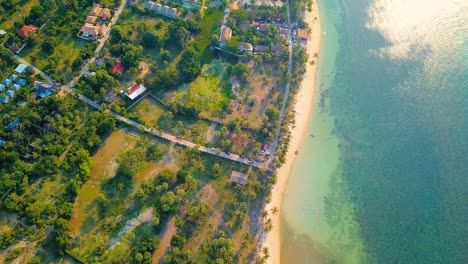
303 111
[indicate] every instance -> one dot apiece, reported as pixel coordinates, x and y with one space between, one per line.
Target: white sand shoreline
304 107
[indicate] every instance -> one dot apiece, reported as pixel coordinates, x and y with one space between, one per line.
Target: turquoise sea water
382 176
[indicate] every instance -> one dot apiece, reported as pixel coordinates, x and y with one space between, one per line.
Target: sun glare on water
415 26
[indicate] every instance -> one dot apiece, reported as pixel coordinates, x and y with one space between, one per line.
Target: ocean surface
382 176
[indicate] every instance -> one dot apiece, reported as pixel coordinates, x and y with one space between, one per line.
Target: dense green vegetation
74 181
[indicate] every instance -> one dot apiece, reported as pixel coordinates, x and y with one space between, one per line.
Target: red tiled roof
25 30
134 88
117 68
135 91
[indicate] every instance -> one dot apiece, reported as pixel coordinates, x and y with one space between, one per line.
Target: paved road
43 74
169 137
275 142
172 138
102 42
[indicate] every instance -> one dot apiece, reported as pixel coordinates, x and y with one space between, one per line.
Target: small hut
238 177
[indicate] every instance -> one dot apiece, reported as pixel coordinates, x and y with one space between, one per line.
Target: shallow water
381 178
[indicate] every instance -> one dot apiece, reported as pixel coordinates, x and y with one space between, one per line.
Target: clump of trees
190 64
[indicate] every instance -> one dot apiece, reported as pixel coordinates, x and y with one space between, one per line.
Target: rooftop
245 45
238 177
303 33
226 33
117 68
134 91
21 68
91 19
26 30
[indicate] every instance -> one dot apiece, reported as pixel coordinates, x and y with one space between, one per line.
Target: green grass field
70 46
210 25
206 92
19 15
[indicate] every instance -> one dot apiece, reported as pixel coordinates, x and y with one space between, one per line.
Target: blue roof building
7 82
21 68
2 87
44 90
16 87
45 94
2 142
21 82
4 100
10 93
12 125
13 77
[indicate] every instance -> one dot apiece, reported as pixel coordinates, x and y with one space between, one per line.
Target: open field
209 92
104 166
61 65
128 219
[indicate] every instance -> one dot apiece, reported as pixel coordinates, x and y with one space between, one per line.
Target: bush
190 64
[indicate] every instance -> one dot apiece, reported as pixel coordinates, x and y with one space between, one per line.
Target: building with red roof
117 68
134 91
278 16
26 30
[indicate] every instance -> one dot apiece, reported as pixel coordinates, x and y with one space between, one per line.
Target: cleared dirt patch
104 166
165 242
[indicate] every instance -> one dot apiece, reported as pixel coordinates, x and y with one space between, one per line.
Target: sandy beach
303 106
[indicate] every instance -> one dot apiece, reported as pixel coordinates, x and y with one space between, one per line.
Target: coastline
303 110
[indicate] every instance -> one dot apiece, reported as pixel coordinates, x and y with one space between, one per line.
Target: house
172 13
91 19
117 68
149 5
12 125
7 82
21 68
89 31
13 77
96 11
245 47
134 91
102 30
2 142
226 34
44 89
105 14
2 32
303 34
277 48
238 177
2 87
45 94
260 49
246 26
4 99
157 7
163 10
21 103
26 30
16 87
21 82
10 93
278 16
